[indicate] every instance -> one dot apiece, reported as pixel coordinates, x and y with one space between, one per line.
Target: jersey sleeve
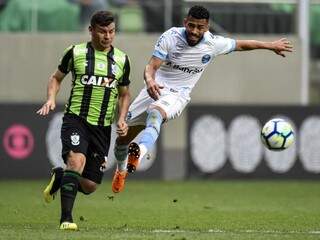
224 45
163 45
125 79
66 60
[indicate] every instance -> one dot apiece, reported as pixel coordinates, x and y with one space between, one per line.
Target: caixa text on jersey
103 81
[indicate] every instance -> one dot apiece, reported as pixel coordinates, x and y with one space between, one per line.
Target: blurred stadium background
35 33
217 137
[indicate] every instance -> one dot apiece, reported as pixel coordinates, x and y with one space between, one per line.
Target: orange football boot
118 181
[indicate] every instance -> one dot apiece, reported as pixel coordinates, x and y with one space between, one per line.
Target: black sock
57 180
68 192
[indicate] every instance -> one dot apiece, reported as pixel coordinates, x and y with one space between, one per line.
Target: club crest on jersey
103 81
75 139
114 69
205 58
101 66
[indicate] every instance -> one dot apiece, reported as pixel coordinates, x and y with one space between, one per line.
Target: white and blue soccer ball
277 134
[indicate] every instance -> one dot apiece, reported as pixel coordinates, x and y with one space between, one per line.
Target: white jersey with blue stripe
183 64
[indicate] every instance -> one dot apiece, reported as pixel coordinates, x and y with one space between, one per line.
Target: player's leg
96 159
136 121
69 187
93 172
74 148
121 146
155 117
52 188
169 106
121 152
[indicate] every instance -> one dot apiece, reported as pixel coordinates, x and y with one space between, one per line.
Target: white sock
122 165
143 151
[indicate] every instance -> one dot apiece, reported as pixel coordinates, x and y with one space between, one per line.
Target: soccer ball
277 134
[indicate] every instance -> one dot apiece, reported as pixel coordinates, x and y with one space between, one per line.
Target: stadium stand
58 15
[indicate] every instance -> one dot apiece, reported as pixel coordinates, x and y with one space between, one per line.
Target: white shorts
171 101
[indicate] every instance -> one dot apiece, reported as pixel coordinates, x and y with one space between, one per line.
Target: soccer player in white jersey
180 56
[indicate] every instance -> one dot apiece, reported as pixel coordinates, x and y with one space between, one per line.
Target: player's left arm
279 46
123 106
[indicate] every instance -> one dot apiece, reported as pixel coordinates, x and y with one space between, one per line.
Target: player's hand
282 45
46 108
122 128
153 89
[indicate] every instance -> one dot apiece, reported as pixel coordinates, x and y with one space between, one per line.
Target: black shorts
93 141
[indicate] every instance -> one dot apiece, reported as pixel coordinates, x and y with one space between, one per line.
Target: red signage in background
18 141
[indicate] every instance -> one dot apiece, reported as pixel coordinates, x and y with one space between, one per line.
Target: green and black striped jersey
96 76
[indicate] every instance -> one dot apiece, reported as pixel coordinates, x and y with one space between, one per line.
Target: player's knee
154 119
75 161
162 112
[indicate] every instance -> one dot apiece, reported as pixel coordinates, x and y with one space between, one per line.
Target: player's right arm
161 50
150 70
55 82
52 91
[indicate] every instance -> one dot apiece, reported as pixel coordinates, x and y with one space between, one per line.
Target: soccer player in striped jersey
100 82
180 56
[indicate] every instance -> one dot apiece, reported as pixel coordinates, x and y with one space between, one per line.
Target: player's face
102 36
195 29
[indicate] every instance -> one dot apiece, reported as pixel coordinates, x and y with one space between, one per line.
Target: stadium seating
39 15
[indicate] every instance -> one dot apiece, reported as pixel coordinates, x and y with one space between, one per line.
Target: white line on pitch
314 232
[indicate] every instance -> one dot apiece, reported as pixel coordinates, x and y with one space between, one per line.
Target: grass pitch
168 210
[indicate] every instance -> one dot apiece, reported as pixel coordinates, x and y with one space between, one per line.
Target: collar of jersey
111 48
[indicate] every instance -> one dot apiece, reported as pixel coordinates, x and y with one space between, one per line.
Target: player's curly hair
199 12
102 18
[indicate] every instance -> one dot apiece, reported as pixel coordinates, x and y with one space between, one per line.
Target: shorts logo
75 139
165 103
205 58
129 116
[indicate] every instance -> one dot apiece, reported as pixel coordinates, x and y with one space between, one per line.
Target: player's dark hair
102 18
199 12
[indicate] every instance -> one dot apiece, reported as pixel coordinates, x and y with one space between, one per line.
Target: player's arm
55 82
123 106
279 46
149 77
52 91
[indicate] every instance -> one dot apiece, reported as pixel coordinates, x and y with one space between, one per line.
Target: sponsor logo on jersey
98 81
206 58
191 70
